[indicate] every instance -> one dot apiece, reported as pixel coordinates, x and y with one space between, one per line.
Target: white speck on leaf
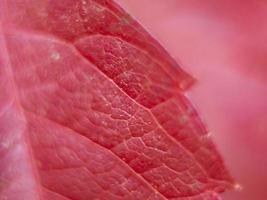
55 56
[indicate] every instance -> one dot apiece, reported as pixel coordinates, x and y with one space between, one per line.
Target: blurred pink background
223 43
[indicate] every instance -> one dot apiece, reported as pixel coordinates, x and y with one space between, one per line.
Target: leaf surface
94 108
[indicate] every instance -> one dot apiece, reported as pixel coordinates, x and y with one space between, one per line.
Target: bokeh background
222 43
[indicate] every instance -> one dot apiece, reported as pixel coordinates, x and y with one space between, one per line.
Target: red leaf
93 109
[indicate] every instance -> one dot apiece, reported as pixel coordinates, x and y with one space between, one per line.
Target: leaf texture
92 107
